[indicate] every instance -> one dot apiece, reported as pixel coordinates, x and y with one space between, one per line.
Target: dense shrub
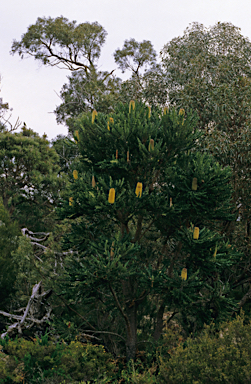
23 361
217 356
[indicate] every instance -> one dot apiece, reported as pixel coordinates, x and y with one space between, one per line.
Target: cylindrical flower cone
215 252
184 274
93 181
151 145
117 154
138 189
70 201
112 250
111 196
194 184
171 202
165 110
149 112
196 233
77 135
128 156
94 114
75 174
131 105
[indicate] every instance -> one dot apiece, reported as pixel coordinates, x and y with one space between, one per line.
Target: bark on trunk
131 340
159 322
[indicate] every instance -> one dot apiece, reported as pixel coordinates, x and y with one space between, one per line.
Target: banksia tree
150 249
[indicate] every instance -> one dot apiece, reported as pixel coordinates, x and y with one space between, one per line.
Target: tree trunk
131 340
159 322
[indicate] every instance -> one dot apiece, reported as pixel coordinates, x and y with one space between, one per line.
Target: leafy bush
222 356
23 361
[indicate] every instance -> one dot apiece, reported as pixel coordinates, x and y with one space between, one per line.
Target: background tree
29 182
67 151
64 44
59 42
85 92
208 70
133 246
146 81
9 233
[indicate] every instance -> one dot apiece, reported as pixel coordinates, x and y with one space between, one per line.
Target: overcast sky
32 89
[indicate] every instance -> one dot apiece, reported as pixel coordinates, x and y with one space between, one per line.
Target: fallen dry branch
36 312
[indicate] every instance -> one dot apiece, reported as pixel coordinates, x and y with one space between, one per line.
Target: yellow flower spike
196 233
76 134
149 112
138 189
184 274
93 182
110 121
128 156
171 202
165 110
215 252
70 201
151 145
111 197
117 154
94 114
131 105
112 250
75 174
194 184
182 112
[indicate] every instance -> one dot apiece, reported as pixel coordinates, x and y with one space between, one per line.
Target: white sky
31 89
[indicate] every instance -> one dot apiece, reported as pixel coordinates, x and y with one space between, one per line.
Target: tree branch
119 307
110 333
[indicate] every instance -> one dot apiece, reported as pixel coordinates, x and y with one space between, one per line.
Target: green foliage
23 361
86 91
45 39
217 356
8 243
29 182
208 70
59 42
67 151
134 373
133 250
135 55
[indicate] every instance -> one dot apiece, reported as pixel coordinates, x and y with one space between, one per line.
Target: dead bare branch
33 313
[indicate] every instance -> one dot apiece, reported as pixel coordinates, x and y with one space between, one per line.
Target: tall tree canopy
59 42
29 182
145 209
208 70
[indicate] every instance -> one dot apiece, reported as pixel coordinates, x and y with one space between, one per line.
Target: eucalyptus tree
208 70
77 47
29 180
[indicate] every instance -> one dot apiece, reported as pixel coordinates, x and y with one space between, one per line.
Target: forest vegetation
125 245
